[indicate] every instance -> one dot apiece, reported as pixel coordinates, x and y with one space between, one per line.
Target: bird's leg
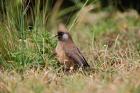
65 65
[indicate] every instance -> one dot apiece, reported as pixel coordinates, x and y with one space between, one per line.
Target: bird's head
63 34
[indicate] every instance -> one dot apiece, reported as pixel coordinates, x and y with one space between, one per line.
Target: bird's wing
75 54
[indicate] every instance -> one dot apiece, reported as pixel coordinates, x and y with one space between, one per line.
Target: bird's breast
62 57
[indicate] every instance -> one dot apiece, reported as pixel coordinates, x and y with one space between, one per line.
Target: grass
111 46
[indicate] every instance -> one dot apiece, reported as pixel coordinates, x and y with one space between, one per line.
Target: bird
67 53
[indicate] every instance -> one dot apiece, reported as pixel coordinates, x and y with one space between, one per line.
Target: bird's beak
55 35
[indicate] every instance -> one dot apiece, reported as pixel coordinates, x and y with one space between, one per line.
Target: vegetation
109 40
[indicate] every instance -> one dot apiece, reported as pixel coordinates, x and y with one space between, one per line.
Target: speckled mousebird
66 51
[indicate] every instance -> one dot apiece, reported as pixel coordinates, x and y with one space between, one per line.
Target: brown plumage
67 53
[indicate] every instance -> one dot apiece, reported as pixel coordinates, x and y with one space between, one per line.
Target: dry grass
121 77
